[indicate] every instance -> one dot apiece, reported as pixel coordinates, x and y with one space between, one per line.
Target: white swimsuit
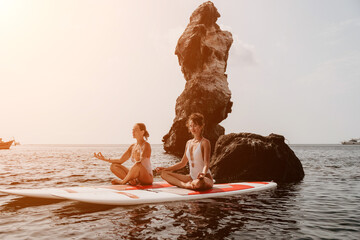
198 162
145 161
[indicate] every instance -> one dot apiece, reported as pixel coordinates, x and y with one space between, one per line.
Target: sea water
325 205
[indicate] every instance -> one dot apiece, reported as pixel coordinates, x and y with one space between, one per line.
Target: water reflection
205 219
19 203
74 209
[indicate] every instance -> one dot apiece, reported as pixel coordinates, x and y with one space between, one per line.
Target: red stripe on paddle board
70 190
130 195
233 187
260 182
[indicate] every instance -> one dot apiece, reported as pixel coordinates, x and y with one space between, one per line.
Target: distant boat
354 141
15 142
5 145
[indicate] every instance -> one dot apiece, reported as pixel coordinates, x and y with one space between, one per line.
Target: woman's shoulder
205 141
147 144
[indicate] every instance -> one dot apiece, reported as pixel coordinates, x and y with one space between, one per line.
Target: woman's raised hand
100 156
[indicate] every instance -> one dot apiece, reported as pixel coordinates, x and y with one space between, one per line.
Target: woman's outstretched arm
126 155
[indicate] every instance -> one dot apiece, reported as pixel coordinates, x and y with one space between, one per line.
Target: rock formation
251 157
202 52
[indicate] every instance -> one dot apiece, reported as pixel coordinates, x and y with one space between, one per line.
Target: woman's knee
114 167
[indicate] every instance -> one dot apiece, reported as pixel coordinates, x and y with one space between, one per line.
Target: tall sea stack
202 52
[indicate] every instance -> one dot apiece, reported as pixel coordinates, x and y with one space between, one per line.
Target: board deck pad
133 195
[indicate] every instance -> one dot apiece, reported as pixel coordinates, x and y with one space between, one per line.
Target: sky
85 71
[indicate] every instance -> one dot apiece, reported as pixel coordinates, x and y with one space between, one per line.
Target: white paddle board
164 194
51 192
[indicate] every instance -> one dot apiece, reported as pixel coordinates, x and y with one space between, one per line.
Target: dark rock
202 52
251 157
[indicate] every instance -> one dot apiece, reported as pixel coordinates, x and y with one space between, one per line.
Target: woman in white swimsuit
141 171
197 153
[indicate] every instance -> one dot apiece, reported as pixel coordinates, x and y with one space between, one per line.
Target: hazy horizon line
22 144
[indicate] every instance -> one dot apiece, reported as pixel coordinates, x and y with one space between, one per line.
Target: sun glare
6 7
11 15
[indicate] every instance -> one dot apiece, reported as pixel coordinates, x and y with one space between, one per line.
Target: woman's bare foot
116 182
133 182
